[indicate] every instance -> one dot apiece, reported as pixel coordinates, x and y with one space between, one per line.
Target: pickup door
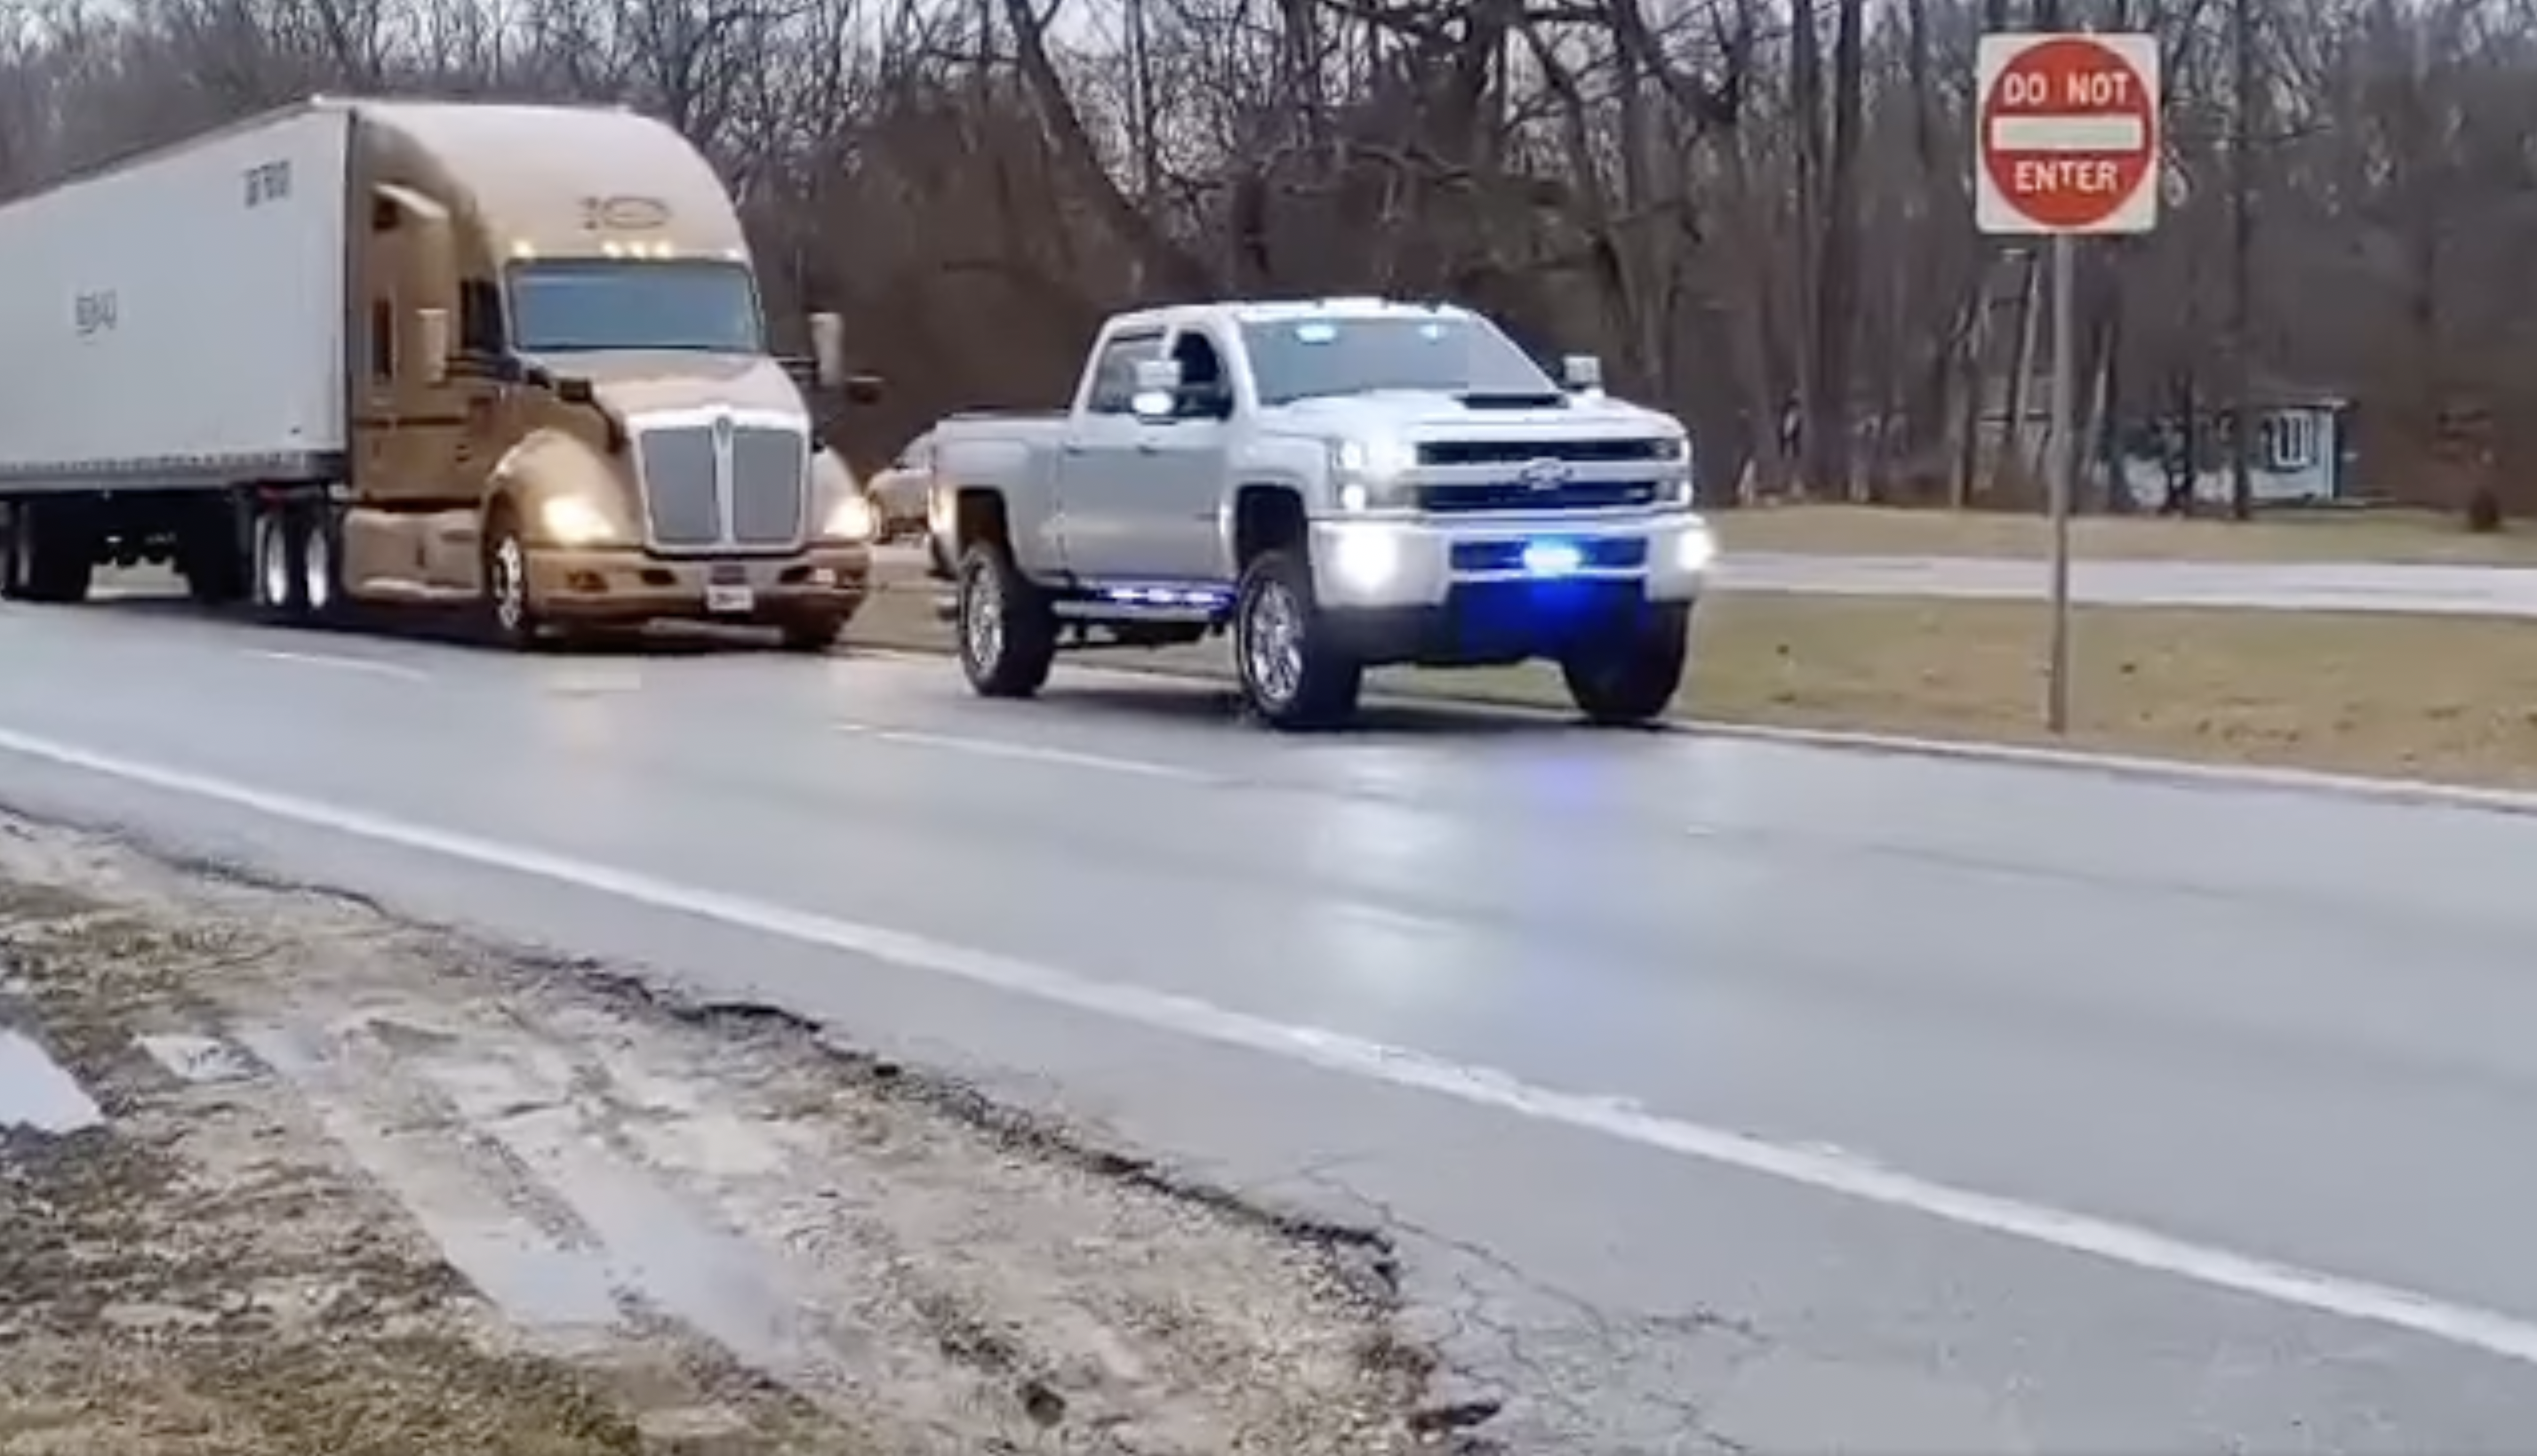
1139 497
1098 491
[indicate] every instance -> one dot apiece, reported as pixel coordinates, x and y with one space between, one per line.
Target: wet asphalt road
2282 586
1686 1009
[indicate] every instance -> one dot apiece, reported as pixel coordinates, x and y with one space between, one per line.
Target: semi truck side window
480 317
383 350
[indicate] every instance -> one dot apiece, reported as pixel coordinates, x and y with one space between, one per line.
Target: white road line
370 665
1809 1165
1022 752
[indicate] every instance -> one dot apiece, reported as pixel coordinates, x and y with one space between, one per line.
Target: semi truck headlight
572 520
850 518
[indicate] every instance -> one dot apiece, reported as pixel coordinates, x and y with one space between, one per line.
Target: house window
2288 442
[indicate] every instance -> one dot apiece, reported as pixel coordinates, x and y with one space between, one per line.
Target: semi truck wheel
1008 633
274 559
813 633
1631 681
508 613
321 564
51 554
1293 677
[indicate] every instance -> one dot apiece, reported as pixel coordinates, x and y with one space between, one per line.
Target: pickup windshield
1311 357
571 306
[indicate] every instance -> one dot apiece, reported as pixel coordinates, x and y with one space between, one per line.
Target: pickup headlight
850 518
1369 471
1675 458
573 520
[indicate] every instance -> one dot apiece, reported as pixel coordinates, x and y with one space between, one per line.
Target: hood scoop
1537 400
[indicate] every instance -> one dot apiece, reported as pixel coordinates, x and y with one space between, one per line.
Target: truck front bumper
1421 561
1450 593
615 585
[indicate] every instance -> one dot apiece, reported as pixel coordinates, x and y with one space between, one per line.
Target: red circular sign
2069 131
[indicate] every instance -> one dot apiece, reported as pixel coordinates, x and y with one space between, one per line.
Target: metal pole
2059 468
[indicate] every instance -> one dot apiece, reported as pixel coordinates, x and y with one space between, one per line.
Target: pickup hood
1425 415
635 383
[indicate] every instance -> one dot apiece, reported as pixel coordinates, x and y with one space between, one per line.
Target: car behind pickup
1338 484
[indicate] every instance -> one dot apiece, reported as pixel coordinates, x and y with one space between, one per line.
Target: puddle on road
36 1093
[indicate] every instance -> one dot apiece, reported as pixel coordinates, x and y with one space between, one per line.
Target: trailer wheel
215 571
13 564
51 553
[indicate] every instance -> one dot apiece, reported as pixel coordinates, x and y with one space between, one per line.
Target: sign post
2068 147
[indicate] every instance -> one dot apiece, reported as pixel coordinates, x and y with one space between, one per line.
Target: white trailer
417 352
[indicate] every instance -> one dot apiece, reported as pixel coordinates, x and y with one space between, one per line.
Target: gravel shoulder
332 1184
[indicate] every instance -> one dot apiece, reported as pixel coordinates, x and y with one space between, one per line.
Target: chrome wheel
982 619
1272 644
273 559
318 571
510 585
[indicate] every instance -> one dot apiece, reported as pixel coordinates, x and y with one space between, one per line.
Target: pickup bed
1335 485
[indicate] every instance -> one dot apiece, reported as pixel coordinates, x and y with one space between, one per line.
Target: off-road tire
1006 634
1295 677
1630 681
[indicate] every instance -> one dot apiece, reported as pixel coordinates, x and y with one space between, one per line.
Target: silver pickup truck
1340 484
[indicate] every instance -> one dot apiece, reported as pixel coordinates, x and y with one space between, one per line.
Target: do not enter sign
2069 137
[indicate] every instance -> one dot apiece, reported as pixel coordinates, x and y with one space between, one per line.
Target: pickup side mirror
1158 388
1582 372
829 350
431 342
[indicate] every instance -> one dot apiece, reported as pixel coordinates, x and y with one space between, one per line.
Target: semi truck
359 354
1337 485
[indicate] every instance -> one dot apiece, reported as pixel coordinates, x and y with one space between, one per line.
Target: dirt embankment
354 1188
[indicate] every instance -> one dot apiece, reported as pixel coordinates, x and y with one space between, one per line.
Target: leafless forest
1756 211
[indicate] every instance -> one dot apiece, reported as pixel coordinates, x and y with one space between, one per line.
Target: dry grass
2373 536
2425 698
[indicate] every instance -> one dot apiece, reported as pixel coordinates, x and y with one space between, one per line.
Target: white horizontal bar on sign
2067 134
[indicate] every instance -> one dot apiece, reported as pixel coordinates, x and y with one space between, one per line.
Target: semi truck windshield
1332 355
581 305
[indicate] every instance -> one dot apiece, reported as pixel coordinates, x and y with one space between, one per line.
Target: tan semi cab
420 353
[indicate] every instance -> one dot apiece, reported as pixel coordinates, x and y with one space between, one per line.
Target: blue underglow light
1551 559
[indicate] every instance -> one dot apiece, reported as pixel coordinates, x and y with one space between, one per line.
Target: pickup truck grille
1512 495
1520 452
703 495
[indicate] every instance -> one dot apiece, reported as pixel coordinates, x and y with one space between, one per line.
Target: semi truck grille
1523 451
679 489
767 470
1515 494
700 494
